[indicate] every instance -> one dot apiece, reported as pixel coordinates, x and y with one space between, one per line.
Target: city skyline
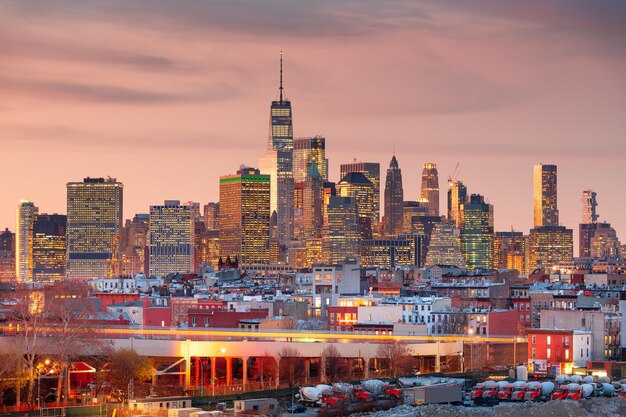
123 127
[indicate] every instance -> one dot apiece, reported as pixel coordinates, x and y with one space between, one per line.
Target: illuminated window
549 355
566 354
549 340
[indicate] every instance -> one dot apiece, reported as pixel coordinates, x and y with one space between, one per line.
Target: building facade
444 247
94 223
548 246
357 186
457 195
26 214
244 221
49 248
371 170
307 151
342 238
7 256
545 196
171 239
394 198
430 188
477 233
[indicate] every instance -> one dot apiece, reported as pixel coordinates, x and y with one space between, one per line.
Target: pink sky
168 96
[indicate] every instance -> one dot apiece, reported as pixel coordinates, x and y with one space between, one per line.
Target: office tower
357 186
211 214
244 222
312 199
508 251
430 188
305 151
49 248
298 209
277 162
604 244
26 214
94 223
394 198
444 247
171 239
548 246
403 250
477 233
342 238
410 211
195 210
329 191
7 256
545 196
371 170
589 207
457 195
134 246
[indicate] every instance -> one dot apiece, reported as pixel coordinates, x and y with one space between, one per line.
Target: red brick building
107 299
342 318
555 351
200 317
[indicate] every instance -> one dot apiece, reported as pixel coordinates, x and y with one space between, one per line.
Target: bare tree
126 366
13 374
291 366
334 365
69 323
398 358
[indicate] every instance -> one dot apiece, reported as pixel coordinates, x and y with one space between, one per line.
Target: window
194 321
534 353
566 354
534 339
549 353
206 322
549 340
587 352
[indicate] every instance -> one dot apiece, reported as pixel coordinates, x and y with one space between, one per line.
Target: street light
470 332
46 364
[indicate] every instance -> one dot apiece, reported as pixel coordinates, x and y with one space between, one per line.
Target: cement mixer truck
519 390
539 391
310 396
561 392
577 392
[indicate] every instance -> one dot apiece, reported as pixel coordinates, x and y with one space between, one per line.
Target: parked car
296 409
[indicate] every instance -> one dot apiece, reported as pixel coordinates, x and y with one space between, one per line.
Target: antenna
281 77
394 147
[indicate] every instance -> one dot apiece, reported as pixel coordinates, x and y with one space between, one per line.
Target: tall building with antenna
277 162
394 199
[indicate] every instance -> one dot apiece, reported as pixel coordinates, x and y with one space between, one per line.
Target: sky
166 96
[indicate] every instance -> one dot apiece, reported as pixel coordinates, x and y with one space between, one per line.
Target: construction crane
454 176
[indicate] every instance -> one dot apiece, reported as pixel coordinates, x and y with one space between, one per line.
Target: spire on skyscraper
281 77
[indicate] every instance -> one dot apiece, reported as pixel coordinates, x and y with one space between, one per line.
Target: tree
334 365
68 320
291 366
126 366
398 356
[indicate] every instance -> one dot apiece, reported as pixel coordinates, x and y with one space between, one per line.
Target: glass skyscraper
305 151
430 189
477 233
371 170
49 248
244 220
171 238
26 214
94 222
394 199
277 162
545 196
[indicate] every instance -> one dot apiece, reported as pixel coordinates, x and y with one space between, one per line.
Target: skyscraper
394 198
312 198
371 170
477 233
548 243
244 221
94 222
545 196
305 151
134 245
589 207
342 239
548 246
508 251
444 247
457 195
7 256
49 248
211 213
277 162
26 214
430 188
356 185
171 238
